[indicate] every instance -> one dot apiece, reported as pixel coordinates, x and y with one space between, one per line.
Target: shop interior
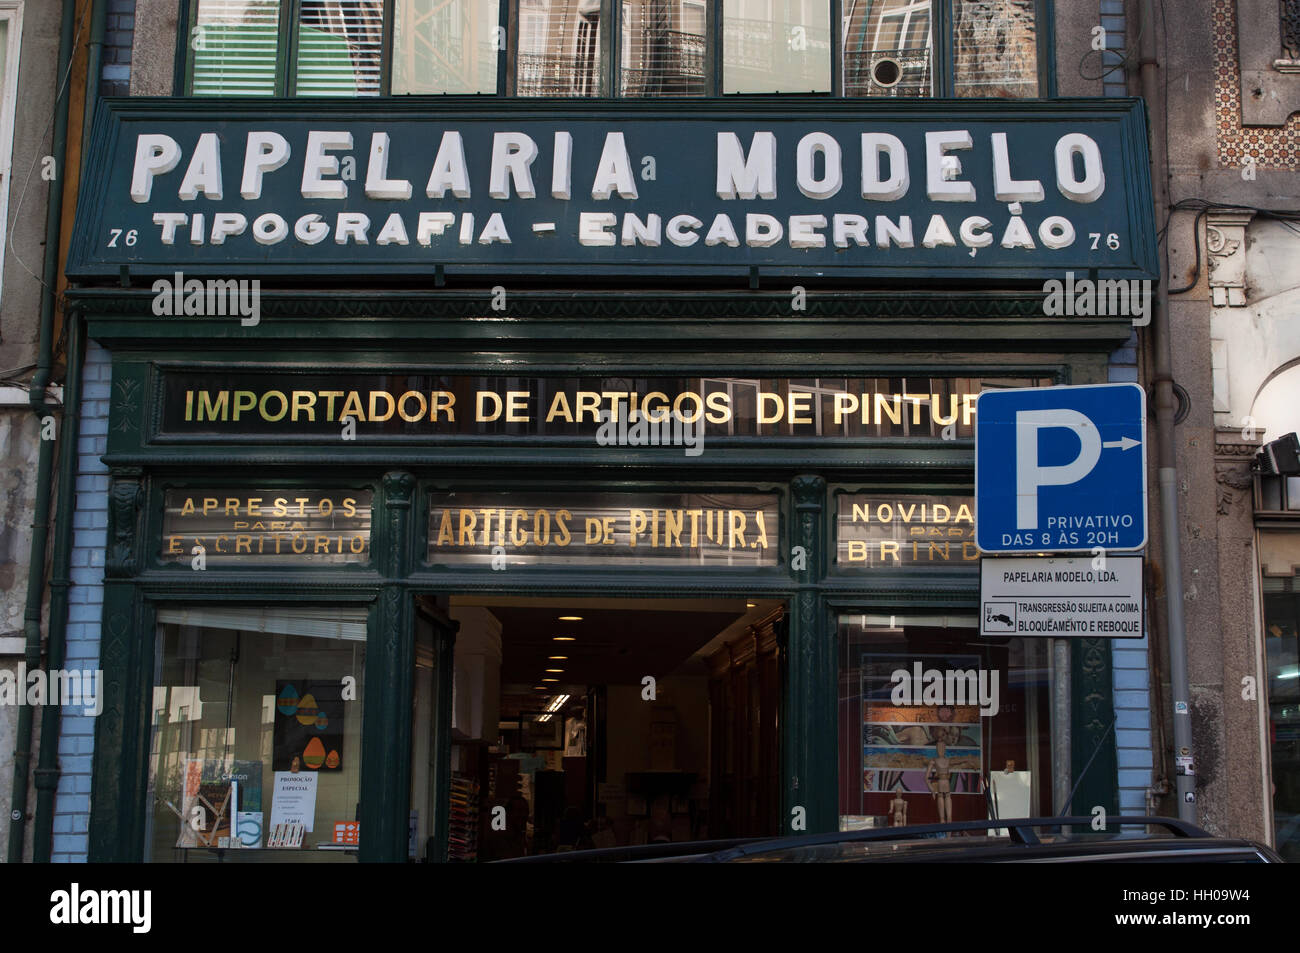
588 723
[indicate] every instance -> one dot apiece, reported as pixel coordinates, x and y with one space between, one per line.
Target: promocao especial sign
1011 190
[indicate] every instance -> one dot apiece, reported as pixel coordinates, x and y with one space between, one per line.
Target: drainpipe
1166 456
94 57
42 409
47 771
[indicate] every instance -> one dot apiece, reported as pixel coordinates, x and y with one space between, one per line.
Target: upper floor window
617 48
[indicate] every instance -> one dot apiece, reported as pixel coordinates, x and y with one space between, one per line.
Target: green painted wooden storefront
741 333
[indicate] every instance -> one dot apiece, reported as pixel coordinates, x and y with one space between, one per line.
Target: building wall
140 49
20 305
1216 158
85 598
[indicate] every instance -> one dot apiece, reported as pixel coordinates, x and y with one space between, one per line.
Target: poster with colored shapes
899 740
293 799
308 733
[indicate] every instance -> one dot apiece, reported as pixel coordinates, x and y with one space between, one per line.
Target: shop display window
1282 658
939 724
255 749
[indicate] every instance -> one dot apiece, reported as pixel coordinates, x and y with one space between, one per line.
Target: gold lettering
844 404
467 521
673 528
214 410
736 529
244 544
638 522
352 408
444 529
661 410
401 406
480 413
244 400
588 401
375 397
895 415
562 534
516 537
442 400
517 406
304 402
329 402
765 397
349 506
718 402
889 548
560 409
266 414
800 402
857 551
188 508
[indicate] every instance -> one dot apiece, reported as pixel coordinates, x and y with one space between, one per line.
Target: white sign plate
1061 597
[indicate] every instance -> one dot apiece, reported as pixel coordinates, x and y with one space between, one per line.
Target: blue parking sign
1061 469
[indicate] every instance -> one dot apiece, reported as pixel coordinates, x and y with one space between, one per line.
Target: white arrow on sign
1123 443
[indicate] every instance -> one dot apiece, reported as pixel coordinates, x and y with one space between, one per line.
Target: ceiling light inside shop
557 702
570 618
563 638
555 670
557 658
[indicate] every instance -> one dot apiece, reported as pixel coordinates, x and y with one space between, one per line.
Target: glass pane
1282 656
776 46
931 715
234 46
256 725
663 47
887 48
995 48
558 48
339 42
445 46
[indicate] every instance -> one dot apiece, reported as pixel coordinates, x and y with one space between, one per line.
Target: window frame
943 84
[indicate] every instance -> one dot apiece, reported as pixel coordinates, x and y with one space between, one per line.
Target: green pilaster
386 738
117 806
1092 728
809 733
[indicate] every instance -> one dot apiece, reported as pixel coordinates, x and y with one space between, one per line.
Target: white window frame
11 11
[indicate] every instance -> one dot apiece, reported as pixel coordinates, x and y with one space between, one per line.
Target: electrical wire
1203 207
57 182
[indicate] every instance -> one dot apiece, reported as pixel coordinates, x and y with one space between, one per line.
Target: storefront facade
424 410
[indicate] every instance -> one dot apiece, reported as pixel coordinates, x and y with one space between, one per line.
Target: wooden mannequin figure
898 808
937 778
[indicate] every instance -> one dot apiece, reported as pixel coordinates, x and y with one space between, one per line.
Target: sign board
877 531
502 530
1061 597
267 527
1010 191
1061 469
307 404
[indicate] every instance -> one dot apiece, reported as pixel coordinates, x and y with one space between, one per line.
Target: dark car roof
1026 840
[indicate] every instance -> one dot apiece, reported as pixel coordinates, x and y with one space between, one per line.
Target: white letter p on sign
1030 476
